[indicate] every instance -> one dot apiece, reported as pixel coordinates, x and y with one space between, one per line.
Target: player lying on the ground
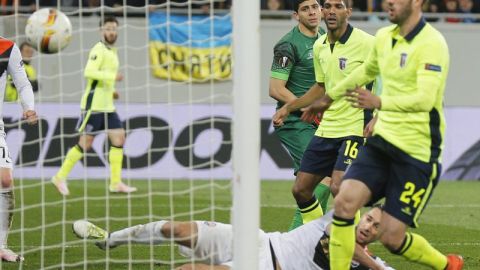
211 242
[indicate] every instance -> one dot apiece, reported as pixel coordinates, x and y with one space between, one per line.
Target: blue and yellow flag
193 49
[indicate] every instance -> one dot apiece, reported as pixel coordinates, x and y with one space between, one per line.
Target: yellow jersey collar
410 36
344 38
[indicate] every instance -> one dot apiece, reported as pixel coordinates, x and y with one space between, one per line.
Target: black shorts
92 122
323 155
406 183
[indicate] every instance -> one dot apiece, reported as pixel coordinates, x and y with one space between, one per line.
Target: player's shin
342 243
150 233
310 210
322 192
73 156
297 220
7 203
417 249
115 158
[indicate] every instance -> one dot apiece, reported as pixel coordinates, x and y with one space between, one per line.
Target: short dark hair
24 44
296 4
108 19
346 2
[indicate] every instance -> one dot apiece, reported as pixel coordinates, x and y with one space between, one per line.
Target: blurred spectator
273 4
224 4
451 6
466 7
23 6
11 93
433 6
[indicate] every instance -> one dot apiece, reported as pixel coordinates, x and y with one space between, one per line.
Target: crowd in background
27 6
431 6
453 6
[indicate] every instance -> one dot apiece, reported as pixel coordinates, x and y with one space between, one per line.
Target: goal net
177 106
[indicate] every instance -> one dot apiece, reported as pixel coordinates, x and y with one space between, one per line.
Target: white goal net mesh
176 107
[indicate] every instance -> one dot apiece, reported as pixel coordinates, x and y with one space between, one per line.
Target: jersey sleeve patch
433 67
283 57
283 61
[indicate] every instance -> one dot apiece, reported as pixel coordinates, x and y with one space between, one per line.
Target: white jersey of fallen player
11 63
296 249
306 247
303 248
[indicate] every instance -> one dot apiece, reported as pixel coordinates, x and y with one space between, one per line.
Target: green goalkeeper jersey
101 71
293 61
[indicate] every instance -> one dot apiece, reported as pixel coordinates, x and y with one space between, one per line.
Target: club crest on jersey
342 63
284 61
403 59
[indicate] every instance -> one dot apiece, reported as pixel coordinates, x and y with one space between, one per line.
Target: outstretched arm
16 69
279 91
315 92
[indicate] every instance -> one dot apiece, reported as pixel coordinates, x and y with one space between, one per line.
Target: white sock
7 203
141 234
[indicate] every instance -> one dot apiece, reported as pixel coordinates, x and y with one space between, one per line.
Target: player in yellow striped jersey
98 111
401 161
339 136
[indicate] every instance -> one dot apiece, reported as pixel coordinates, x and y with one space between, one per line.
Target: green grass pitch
450 221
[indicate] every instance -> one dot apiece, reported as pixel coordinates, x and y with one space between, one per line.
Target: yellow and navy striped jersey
413 70
101 71
334 62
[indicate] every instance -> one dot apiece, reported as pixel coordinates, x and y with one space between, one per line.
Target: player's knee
344 206
85 145
7 179
167 229
334 188
300 193
118 142
335 184
179 230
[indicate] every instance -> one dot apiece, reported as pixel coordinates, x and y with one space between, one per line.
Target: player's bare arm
315 92
318 107
278 90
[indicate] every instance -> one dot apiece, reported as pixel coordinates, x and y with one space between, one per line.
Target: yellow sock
115 158
342 243
357 217
417 249
73 156
310 210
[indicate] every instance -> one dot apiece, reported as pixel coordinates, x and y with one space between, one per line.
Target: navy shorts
406 183
323 155
97 121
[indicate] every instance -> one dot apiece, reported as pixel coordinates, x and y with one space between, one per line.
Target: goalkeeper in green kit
292 74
